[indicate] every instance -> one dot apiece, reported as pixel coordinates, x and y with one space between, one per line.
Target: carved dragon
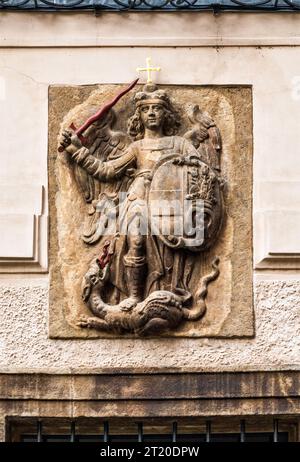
160 311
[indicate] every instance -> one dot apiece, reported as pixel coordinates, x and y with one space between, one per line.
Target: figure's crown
151 95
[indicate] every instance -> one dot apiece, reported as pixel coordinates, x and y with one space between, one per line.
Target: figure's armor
192 184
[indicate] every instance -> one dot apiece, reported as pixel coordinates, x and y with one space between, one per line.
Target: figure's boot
135 279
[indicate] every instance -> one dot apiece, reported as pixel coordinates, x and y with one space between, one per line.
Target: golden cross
148 69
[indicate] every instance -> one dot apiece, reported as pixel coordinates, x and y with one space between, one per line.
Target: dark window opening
193 430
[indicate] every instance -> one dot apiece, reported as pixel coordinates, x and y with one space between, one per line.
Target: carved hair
171 121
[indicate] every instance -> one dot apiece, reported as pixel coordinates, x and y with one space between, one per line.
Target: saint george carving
154 205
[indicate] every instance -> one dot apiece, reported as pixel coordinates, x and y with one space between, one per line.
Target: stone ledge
175 408
157 386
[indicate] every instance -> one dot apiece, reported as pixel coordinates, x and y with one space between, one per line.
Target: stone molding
150 29
23 229
277 225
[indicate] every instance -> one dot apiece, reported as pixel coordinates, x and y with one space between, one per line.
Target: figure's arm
103 171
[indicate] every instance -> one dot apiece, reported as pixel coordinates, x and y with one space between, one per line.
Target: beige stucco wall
199 48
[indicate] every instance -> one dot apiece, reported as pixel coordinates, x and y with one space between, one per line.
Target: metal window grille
150 5
153 430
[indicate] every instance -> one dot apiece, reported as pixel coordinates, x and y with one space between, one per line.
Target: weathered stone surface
229 302
256 396
159 385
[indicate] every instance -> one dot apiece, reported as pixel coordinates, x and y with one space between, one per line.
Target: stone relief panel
150 211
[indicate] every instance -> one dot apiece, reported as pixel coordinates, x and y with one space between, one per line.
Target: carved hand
178 160
70 141
187 160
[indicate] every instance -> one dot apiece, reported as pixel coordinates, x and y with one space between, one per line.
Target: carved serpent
200 307
160 311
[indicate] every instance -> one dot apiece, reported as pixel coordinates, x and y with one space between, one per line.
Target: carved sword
99 114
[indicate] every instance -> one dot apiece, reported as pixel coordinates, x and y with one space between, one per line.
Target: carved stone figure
163 194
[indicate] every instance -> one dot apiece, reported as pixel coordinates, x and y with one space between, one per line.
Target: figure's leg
135 265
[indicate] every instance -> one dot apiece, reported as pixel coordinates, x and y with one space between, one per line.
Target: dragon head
95 277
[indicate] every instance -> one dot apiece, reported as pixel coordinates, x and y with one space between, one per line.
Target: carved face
152 115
